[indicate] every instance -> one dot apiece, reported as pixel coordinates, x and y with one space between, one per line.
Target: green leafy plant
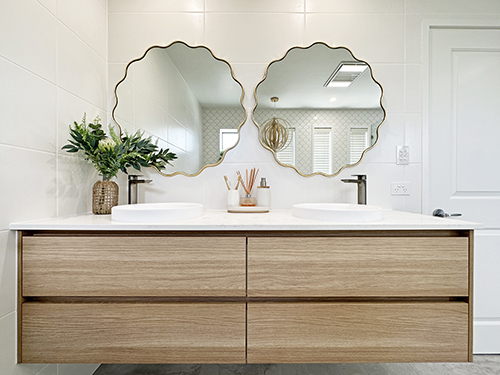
114 153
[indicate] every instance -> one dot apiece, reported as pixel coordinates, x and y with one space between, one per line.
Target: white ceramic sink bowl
338 212
156 212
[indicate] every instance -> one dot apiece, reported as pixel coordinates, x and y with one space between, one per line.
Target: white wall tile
29 117
258 6
29 30
413 37
87 19
249 75
30 192
8 274
80 69
413 136
8 347
130 35
75 178
355 6
383 42
71 108
253 37
391 135
155 6
51 5
413 174
413 88
448 7
391 78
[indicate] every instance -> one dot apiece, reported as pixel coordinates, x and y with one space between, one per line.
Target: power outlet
400 188
403 155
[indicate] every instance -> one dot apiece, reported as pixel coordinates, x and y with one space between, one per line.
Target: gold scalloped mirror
318 109
187 99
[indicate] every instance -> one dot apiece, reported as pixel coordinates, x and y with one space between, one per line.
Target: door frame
427 26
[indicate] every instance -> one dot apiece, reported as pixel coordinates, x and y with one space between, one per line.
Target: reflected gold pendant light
275 132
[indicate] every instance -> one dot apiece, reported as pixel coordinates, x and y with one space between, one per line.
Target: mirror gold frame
378 126
113 113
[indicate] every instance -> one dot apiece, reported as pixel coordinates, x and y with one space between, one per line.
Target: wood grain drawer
133 266
358 267
357 332
133 333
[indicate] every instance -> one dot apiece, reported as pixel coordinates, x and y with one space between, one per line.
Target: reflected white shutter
287 155
322 147
358 143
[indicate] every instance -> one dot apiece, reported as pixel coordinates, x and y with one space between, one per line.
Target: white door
462 144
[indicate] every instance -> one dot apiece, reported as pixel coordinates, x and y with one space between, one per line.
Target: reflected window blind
358 143
287 155
322 149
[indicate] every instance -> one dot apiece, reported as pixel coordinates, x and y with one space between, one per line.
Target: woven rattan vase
104 196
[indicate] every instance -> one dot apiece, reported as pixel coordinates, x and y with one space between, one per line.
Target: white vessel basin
338 212
156 212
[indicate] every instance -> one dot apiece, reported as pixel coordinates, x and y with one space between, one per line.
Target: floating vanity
245 288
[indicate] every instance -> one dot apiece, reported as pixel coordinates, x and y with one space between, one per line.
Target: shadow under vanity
247 288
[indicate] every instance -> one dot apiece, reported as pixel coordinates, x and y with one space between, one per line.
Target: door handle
440 213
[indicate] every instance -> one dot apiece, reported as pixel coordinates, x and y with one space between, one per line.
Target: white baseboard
486 336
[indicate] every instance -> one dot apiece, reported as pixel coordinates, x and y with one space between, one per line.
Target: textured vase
104 196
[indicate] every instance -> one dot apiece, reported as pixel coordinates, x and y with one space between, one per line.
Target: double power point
400 188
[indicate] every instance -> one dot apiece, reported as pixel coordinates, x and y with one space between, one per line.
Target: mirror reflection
318 109
187 99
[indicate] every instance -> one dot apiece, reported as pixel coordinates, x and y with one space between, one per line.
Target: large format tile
81 70
29 117
130 35
29 36
29 191
391 78
258 6
355 6
76 15
74 185
71 108
8 347
253 37
380 39
447 7
8 272
155 6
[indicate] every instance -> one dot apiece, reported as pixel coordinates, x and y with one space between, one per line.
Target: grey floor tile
482 365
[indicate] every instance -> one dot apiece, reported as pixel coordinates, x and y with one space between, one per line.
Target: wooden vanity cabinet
245 297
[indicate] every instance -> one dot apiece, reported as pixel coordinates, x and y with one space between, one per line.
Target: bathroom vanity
245 288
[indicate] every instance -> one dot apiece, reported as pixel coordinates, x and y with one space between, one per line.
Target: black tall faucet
361 181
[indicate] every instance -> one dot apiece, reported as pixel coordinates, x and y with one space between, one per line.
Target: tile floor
482 365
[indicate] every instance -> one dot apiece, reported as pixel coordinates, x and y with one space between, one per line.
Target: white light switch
403 155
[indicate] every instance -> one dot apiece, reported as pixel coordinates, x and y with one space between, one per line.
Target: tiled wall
340 121
251 34
53 67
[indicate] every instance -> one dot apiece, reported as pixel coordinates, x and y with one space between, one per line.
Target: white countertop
224 221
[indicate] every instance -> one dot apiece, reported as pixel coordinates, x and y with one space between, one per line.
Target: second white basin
338 212
156 212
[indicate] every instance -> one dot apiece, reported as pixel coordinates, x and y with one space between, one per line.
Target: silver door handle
440 213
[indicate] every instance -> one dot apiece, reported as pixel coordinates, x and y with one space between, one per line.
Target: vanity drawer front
133 266
357 332
133 333
358 266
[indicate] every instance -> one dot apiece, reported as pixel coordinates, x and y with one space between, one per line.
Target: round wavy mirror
187 99
322 106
